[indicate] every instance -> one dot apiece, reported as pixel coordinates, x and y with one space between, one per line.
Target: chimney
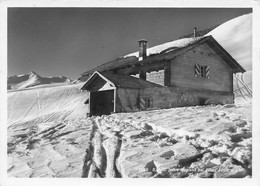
142 49
195 32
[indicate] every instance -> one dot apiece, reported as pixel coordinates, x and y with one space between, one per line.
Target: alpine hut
185 72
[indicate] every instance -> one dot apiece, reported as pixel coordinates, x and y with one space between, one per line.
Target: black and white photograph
129 92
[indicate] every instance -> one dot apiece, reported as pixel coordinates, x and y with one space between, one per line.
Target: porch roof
119 81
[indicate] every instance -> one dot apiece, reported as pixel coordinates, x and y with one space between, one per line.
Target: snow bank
46 104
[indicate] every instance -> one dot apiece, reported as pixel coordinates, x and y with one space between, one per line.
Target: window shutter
142 104
197 70
207 72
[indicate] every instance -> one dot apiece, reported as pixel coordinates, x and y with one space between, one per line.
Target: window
201 71
149 103
146 103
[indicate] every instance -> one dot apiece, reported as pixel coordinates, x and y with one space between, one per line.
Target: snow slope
48 149
38 120
46 104
32 79
207 141
235 36
243 85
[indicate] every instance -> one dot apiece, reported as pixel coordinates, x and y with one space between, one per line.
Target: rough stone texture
168 97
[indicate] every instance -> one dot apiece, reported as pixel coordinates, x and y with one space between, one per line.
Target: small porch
110 93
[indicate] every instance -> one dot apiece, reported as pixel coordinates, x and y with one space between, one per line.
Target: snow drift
46 104
32 79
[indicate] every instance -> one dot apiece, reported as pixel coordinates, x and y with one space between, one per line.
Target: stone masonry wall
169 97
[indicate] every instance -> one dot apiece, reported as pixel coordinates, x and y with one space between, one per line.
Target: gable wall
155 77
154 72
182 70
99 84
170 97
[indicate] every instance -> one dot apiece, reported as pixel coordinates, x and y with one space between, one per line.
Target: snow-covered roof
168 47
133 57
167 51
120 81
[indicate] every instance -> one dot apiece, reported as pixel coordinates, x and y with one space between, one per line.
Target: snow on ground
47 135
46 104
48 149
243 85
50 136
209 141
201 141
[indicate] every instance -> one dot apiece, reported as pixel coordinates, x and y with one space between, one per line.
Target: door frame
113 100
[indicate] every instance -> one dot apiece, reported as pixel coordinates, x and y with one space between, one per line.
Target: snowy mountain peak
32 79
33 73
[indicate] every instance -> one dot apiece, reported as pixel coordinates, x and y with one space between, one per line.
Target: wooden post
167 74
115 100
142 75
232 81
90 110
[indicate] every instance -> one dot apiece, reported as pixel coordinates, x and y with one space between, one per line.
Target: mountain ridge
33 79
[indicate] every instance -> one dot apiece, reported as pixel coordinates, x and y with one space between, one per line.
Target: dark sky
70 41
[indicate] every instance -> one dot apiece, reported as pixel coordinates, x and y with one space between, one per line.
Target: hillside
46 104
32 79
50 136
235 36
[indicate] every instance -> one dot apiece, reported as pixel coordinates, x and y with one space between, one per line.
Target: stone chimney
142 49
195 32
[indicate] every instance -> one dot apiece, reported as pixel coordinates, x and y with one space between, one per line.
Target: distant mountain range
32 79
